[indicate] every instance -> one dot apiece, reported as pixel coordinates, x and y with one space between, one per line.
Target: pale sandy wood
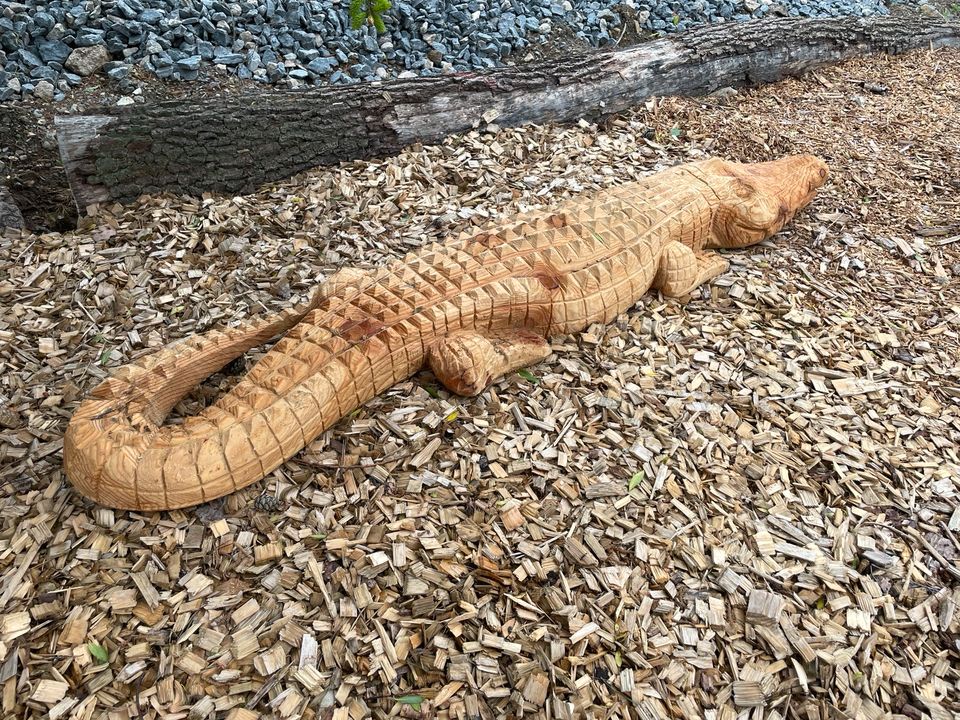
49 692
763 608
473 308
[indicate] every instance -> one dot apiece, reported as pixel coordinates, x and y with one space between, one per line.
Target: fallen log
234 144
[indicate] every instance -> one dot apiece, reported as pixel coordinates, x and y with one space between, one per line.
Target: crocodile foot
467 362
682 271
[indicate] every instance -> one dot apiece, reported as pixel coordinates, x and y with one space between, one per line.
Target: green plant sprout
362 11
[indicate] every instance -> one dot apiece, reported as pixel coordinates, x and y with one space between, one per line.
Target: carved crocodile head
758 199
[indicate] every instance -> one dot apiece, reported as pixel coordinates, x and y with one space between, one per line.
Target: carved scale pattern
472 308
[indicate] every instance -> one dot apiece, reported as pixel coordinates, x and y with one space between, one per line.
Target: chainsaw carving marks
472 309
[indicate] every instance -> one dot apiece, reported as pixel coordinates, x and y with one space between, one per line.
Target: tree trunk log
234 144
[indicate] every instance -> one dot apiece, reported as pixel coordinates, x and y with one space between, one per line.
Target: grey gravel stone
322 65
44 73
88 37
151 16
87 60
189 63
228 58
9 212
43 19
28 58
53 51
116 70
43 90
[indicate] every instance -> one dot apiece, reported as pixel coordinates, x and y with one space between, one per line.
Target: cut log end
75 136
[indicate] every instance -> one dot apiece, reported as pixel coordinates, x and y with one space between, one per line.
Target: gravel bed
48 47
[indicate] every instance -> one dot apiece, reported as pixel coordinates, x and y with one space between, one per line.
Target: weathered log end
76 137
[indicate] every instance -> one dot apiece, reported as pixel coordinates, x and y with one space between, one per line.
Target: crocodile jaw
759 199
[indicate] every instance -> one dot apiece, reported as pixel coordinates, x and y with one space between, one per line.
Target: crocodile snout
793 181
764 197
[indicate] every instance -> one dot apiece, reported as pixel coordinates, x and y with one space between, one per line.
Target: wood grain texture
235 144
473 307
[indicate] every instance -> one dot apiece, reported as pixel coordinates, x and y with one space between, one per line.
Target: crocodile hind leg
681 270
467 362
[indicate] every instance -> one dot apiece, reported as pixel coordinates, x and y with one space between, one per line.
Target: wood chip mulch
745 505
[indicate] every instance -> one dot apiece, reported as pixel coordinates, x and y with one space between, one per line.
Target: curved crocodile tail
117 451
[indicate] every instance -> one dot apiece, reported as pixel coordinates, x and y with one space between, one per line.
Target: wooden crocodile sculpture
473 309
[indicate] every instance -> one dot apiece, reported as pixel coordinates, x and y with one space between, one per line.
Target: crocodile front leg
467 362
681 270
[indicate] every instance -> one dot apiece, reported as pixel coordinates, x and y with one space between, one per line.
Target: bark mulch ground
744 505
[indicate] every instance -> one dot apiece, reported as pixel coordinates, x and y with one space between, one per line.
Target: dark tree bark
10 216
235 144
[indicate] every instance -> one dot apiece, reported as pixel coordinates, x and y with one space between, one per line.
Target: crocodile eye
743 189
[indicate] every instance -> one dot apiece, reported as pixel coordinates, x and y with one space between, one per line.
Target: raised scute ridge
472 308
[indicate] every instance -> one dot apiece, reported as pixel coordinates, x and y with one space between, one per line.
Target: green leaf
358 14
635 481
675 131
452 416
527 375
618 658
99 652
432 391
105 356
368 11
411 700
